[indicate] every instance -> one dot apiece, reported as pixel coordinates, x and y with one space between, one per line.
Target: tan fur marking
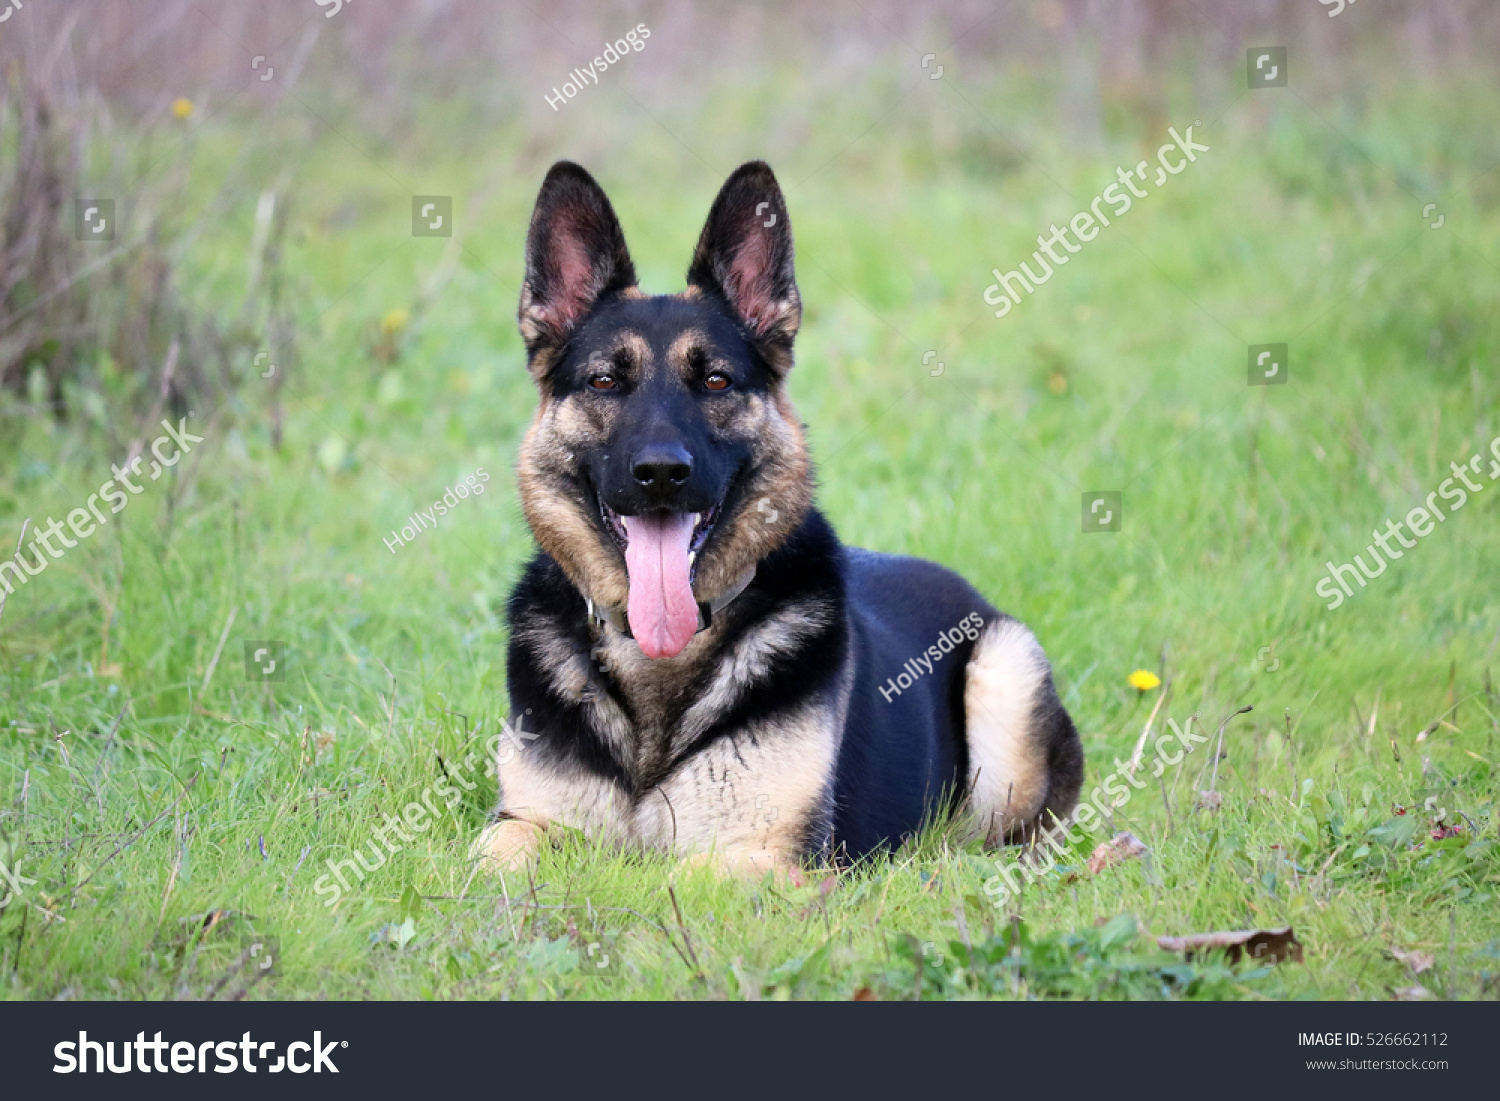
654 687
748 799
750 793
540 363
557 509
573 674
782 479
637 347
682 344
540 792
747 663
1007 762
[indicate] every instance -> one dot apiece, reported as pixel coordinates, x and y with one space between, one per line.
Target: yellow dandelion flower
181 107
1143 681
394 321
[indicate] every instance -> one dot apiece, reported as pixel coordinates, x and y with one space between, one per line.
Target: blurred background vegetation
207 150
263 275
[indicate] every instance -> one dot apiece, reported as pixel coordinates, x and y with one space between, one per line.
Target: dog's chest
757 785
690 783
659 695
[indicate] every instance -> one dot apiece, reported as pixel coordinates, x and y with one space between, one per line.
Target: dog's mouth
661 550
703 526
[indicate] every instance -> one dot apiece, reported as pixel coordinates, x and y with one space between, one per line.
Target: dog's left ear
744 257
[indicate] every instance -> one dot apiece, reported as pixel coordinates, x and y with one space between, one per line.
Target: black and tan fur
766 741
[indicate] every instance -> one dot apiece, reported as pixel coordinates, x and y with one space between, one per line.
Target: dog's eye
717 381
603 382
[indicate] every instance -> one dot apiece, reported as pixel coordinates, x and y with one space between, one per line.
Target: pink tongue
663 614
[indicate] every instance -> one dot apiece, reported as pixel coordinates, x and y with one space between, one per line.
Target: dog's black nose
661 467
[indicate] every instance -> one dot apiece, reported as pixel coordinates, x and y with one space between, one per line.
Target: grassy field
165 806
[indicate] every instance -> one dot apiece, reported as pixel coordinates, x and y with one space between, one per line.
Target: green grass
163 817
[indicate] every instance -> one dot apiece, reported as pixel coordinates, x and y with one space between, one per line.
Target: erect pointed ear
575 256
744 256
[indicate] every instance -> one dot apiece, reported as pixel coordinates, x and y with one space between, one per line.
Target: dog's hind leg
1025 757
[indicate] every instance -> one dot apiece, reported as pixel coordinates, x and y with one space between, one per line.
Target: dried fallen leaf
1417 961
865 994
1118 849
1412 993
1274 945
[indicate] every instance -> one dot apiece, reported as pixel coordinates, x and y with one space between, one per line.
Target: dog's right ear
575 256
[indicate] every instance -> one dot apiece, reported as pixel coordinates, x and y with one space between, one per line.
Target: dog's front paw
506 846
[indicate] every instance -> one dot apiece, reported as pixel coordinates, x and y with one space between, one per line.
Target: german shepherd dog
698 665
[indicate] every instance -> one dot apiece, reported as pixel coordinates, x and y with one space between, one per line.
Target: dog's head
665 459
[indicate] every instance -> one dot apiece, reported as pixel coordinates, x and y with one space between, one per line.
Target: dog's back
903 755
936 666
